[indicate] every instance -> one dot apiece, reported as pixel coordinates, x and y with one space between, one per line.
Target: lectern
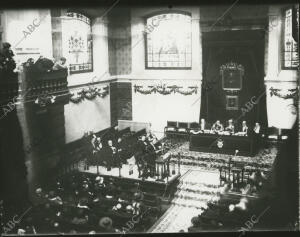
162 166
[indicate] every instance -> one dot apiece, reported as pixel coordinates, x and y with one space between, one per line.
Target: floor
199 183
196 188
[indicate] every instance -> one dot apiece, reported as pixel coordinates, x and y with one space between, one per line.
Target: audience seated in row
79 203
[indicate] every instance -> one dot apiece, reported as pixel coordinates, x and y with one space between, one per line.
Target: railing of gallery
27 85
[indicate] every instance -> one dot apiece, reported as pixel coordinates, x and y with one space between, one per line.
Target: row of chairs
180 128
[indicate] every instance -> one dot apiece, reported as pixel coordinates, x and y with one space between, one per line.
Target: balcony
52 83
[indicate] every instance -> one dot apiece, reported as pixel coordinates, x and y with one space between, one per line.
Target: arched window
169 41
290 45
77 42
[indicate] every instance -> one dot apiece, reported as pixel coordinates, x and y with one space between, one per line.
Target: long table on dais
226 144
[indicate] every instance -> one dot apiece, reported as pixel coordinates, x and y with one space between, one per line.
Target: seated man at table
230 127
244 128
258 130
203 125
217 127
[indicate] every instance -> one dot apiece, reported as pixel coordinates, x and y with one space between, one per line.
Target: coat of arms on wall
232 76
232 82
220 143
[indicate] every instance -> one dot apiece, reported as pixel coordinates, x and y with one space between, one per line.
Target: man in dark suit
140 153
121 150
109 153
150 158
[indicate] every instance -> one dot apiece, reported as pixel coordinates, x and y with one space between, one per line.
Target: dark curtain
241 47
13 172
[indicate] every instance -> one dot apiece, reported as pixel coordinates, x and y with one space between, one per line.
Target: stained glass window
77 40
169 41
290 57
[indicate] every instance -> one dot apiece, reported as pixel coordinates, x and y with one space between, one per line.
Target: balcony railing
36 84
28 86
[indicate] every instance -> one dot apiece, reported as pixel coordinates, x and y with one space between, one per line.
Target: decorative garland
165 90
89 94
293 94
188 92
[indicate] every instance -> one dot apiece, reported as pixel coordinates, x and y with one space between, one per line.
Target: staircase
195 189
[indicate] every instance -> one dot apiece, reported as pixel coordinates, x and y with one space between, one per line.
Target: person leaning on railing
60 64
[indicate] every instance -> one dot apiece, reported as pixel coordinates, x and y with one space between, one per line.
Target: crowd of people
79 203
43 64
115 152
230 129
231 211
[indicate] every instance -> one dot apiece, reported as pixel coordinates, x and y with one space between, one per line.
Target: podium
162 168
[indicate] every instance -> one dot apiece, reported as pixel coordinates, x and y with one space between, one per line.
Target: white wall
86 116
90 115
280 113
155 108
29 33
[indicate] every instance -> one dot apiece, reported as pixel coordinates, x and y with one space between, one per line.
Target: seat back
171 124
194 125
183 125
